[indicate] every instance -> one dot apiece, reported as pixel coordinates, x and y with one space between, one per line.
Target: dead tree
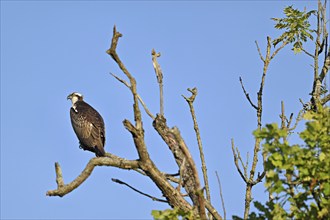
169 185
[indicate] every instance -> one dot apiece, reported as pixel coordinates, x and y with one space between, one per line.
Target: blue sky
52 48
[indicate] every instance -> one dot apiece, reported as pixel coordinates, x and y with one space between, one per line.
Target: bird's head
75 96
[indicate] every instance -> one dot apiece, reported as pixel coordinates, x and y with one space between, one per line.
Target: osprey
88 125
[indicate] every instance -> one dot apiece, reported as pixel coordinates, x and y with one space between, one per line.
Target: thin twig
221 195
247 163
138 191
298 118
307 53
289 121
278 49
121 80
261 57
247 94
139 97
282 116
242 163
236 161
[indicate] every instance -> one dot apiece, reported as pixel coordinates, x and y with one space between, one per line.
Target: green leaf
322 156
296 26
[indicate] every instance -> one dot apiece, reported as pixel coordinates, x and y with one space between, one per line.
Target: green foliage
297 176
172 214
296 26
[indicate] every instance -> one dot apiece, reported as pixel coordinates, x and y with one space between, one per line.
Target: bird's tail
99 151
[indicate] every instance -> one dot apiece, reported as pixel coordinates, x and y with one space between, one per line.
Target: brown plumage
88 125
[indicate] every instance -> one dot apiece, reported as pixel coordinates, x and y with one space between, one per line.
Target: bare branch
190 102
261 57
259 178
278 49
112 52
173 197
325 99
325 68
298 118
282 116
250 182
212 210
247 94
139 97
247 161
307 53
109 160
121 80
166 133
138 191
201 205
181 173
236 161
159 76
242 163
289 121
221 195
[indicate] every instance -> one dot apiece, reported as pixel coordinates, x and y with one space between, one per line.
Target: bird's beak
69 96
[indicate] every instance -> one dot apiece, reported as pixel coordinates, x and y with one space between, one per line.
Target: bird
88 125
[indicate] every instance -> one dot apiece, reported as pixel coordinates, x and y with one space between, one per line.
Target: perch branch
190 102
109 160
138 191
159 76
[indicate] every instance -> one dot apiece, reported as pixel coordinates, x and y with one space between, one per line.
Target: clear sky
52 48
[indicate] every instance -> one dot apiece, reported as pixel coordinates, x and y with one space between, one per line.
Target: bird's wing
82 127
90 123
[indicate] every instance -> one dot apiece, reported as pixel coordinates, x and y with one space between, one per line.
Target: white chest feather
74 106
